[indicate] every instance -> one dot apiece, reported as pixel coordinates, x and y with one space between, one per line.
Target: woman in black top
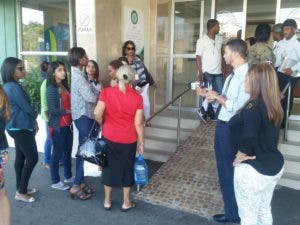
258 163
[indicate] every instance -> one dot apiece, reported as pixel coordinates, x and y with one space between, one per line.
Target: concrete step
157 155
160 145
291 167
294 120
293 135
290 150
163 133
171 123
295 184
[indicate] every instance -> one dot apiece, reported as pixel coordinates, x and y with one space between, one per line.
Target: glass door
185 31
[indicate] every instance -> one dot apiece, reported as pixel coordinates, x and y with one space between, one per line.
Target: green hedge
31 84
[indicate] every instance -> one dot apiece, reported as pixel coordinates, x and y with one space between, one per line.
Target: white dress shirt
236 95
291 49
278 50
210 52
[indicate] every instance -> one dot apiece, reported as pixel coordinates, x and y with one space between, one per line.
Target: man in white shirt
208 60
277 32
290 50
233 97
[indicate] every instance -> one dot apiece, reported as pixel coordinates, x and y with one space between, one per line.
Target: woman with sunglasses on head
143 79
93 74
258 162
21 126
4 201
60 123
83 101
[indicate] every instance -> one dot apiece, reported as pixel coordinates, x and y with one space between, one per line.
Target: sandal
132 205
79 194
24 197
106 207
87 189
31 191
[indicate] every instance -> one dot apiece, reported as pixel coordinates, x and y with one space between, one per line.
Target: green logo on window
134 17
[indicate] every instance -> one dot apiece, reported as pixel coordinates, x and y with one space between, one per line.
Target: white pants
253 192
145 96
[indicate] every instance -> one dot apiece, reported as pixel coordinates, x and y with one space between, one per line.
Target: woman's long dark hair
8 69
97 73
51 71
125 45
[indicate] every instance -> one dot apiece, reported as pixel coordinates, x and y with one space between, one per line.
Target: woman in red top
123 126
60 123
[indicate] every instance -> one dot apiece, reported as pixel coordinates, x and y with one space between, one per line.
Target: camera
195 84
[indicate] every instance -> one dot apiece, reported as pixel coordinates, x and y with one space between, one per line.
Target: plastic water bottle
140 171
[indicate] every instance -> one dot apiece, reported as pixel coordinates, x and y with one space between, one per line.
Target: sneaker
69 180
60 186
201 115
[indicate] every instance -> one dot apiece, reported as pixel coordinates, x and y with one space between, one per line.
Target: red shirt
66 119
120 109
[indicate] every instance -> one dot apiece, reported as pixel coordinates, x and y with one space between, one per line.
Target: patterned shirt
83 95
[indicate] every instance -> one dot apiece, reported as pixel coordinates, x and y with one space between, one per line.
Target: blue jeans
47 146
62 146
84 125
216 82
224 156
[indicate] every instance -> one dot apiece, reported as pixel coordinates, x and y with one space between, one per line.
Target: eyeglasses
130 48
21 68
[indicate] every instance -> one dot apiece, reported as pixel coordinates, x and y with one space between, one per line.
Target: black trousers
26 157
282 81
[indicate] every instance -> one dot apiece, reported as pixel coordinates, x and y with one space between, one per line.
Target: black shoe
221 218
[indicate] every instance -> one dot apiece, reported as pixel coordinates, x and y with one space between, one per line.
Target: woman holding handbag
123 126
83 101
60 123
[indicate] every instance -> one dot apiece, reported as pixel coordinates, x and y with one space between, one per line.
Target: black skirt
120 169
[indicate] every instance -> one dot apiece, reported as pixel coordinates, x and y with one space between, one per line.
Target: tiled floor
188 181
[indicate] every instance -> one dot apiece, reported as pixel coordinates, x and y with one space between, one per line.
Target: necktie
224 93
228 83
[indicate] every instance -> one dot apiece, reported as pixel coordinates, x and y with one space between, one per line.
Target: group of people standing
85 102
249 115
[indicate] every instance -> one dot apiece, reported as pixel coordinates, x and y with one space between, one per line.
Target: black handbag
93 149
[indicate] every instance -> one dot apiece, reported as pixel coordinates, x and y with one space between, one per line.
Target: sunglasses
130 48
21 68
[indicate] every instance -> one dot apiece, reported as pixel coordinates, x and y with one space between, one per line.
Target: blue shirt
22 113
236 95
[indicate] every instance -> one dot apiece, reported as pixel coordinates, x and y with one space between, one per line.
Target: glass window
184 72
186 26
230 16
45 25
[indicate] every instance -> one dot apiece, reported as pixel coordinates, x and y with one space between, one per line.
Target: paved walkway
188 181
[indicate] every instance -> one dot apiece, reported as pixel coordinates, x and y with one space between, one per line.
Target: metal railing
287 89
179 111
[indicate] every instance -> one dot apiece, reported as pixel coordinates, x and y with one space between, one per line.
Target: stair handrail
179 96
287 89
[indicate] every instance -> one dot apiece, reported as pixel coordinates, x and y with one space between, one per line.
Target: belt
222 121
